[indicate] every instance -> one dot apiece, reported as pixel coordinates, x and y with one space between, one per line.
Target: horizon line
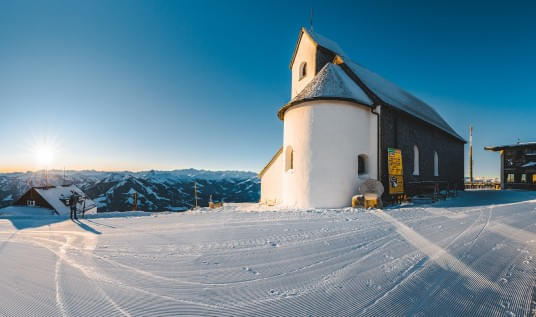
123 171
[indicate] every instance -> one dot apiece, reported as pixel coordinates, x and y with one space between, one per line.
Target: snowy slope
473 256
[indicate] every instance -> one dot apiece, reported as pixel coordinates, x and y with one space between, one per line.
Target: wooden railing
434 190
482 185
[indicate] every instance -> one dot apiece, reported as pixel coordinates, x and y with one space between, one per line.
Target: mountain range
155 190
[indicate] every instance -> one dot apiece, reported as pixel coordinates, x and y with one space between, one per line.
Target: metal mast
471 154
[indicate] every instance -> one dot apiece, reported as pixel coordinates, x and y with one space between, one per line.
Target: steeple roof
376 86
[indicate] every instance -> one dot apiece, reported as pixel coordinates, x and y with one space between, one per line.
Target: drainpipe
378 154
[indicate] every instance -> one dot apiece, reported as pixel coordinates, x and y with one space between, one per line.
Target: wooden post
135 204
195 194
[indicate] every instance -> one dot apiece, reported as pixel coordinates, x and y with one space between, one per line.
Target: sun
44 154
44 151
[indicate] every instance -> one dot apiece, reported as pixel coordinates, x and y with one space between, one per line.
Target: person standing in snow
74 200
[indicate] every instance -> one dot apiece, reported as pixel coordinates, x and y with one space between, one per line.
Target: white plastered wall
306 53
327 137
271 182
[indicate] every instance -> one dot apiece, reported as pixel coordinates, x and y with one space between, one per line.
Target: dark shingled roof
383 89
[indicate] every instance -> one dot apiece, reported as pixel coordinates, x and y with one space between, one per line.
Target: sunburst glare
44 151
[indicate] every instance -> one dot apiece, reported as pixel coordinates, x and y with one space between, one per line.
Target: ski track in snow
465 256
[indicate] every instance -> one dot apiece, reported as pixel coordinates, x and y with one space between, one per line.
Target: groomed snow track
473 255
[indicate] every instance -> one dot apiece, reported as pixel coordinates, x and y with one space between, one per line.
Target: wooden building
518 165
57 199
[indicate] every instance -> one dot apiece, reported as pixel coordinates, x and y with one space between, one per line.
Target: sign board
396 178
396 184
394 157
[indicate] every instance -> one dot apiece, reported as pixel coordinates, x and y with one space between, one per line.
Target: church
341 124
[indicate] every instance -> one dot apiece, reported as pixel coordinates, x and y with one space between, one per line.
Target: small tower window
362 165
436 164
415 160
303 70
289 158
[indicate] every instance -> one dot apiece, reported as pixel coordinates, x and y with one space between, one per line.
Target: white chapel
331 137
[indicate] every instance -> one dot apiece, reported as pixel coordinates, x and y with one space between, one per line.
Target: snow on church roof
331 82
325 42
400 99
56 195
385 90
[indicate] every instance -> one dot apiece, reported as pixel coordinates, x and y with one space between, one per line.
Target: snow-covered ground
472 255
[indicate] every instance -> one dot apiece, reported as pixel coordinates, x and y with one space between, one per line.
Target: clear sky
138 85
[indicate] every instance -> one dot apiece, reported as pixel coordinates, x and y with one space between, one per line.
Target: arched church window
436 164
362 164
289 158
415 160
303 70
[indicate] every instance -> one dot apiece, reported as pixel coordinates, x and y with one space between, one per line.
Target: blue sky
138 85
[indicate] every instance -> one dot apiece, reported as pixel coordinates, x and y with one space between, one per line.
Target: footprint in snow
505 304
250 270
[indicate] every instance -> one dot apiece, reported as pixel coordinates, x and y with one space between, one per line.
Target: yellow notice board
394 161
396 184
396 178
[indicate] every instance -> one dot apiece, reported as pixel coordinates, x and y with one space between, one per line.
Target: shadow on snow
475 198
21 222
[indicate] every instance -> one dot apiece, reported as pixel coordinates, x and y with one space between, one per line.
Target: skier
74 201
